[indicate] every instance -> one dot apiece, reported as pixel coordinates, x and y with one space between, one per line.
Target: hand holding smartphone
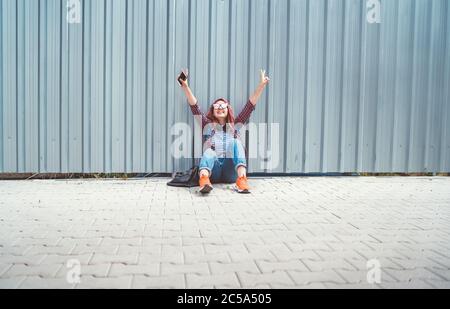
182 77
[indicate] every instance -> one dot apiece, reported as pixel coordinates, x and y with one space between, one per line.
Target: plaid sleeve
244 115
195 109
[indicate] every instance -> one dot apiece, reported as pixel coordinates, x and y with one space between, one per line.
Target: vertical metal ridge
110 65
60 87
341 99
286 91
16 159
69 80
361 105
125 86
192 161
324 86
268 91
147 7
377 91
104 87
164 167
435 88
428 85
358 159
413 26
229 28
445 148
395 94
39 89
83 37
153 88
416 83
20 86
42 86
249 35
375 130
391 153
305 98
444 90
208 96
2 122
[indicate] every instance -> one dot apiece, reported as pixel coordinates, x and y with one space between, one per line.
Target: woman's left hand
264 79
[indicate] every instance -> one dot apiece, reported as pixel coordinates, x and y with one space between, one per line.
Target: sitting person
224 159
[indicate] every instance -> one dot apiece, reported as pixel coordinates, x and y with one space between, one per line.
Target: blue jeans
224 169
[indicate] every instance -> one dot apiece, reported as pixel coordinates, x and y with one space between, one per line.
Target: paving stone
314 266
410 284
409 275
63 259
163 282
107 258
223 268
304 278
96 270
11 283
356 286
47 271
280 278
33 282
150 258
90 282
199 257
227 280
360 276
168 269
438 284
268 267
22 259
119 269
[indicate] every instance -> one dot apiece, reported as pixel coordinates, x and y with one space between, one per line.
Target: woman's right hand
184 83
187 91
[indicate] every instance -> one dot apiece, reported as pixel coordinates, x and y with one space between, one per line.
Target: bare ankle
241 171
204 173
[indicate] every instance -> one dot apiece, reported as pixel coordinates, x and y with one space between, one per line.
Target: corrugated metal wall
100 96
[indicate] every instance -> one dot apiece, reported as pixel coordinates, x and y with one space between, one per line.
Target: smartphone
183 76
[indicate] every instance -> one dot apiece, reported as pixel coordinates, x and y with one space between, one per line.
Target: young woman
224 157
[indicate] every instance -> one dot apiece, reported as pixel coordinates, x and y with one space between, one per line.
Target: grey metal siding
349 96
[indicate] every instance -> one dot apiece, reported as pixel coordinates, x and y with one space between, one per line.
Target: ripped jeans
224 170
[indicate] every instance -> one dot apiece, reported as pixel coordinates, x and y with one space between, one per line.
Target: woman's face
220 110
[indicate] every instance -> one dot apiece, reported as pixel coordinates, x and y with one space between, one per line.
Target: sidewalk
292 232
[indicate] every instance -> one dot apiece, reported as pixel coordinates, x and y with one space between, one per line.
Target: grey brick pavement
293 232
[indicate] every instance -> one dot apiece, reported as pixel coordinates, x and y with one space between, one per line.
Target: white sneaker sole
205 189
245 191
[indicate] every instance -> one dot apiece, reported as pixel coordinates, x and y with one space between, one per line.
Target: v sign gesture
264 79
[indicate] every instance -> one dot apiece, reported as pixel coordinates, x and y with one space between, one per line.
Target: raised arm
264 80
192 100
244 115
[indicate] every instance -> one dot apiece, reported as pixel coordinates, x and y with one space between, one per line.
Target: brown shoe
205 184
242 185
